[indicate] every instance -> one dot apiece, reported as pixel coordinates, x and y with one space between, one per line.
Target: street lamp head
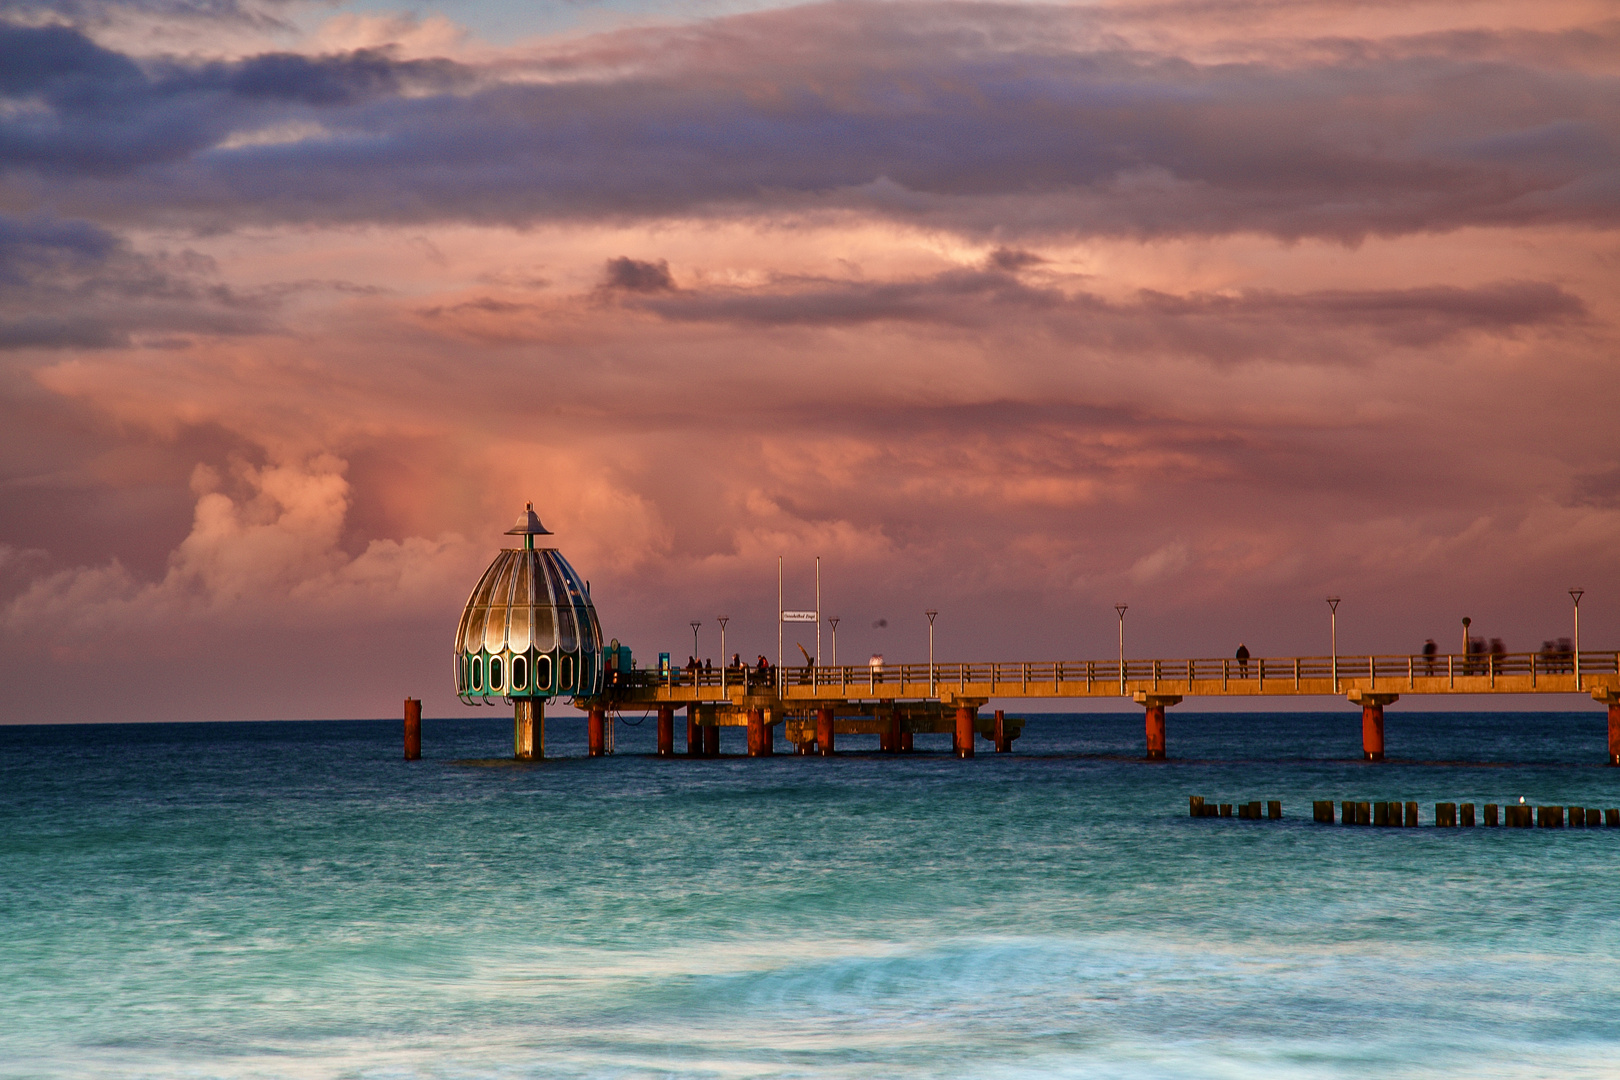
834 620
930 613
1467 622
1333 604
722 620
1121 608
1575 594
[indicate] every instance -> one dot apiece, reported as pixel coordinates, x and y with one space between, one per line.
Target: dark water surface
292 900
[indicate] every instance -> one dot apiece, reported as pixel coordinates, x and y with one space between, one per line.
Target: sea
258 900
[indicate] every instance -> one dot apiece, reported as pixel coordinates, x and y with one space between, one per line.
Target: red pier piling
666 731
711 739
1155 704
1003 740
824 730
694 734
413 728
596 729
1372 732
965 715
1372 721
1614 732
758 738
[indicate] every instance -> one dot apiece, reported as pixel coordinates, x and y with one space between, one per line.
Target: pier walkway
815 704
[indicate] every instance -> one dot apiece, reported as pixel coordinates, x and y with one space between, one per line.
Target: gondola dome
529 629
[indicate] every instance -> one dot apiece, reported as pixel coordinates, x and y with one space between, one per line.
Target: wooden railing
1097 676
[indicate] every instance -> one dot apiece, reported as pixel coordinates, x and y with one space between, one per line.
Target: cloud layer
1013 311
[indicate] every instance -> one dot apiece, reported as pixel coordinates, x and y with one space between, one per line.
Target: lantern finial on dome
528 526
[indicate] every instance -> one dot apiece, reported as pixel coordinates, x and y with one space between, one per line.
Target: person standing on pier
1243 660
1429 649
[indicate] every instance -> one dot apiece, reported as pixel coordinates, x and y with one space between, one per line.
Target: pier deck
814 704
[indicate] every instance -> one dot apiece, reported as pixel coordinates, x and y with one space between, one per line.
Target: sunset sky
1010 310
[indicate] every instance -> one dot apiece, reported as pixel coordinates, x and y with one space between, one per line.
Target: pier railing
1531 672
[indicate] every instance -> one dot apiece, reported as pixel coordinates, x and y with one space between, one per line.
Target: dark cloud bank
977 118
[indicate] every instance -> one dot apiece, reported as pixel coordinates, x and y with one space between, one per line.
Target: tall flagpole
818 611
779 624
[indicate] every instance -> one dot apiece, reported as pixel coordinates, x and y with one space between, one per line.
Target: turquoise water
292 900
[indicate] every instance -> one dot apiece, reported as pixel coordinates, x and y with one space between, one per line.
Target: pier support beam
758 734
824 730
666 731
1611 698
1372 721
905 742
528 729
694 734
965 715
413 728
1155 704
596 731
711 739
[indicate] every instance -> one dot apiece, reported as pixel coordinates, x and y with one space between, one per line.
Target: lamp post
833 621
1121 608
1575 594
930 613
1333 638
722 620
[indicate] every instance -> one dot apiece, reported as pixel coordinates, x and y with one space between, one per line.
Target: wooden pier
813 705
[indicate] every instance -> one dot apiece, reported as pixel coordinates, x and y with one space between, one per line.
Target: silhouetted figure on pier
1243 660
1429 650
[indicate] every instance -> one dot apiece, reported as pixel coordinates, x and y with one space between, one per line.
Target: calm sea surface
293 900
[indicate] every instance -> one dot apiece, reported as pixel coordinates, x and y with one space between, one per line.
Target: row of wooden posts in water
1398 814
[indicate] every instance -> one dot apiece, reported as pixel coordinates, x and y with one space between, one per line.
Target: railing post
1296 673
1372 674
1451 672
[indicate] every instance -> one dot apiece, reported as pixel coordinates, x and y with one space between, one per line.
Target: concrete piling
1412 815
1322 811
1347 815
694 733
1274 809
1614 732
1491 815
711 740
1594 817
1466 810
1226 809
1195 805
413 729
1577 817
1363 813
1611 818
1445 815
